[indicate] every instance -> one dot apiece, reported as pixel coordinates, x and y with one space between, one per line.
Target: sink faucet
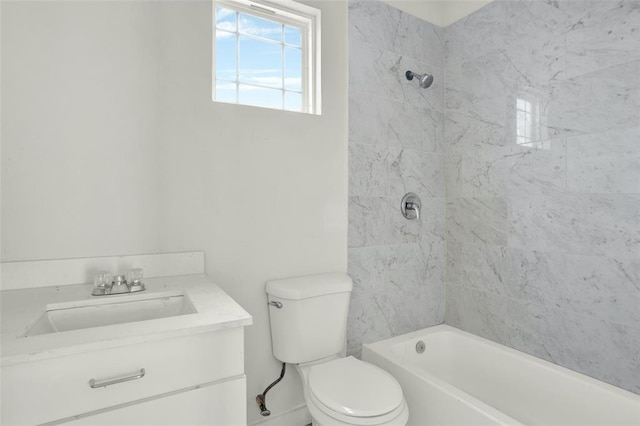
105 285
119 285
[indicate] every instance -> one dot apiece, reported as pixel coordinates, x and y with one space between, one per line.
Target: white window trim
293 14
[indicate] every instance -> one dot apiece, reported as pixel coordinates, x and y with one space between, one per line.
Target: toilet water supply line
261 399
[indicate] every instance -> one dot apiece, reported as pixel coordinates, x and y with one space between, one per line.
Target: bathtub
462 379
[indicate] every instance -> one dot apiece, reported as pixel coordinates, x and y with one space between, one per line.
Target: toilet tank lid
297 288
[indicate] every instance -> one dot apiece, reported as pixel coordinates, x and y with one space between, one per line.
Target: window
267 54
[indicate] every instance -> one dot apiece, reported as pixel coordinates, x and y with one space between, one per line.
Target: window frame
292 14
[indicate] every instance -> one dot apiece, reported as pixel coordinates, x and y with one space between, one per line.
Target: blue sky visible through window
258 61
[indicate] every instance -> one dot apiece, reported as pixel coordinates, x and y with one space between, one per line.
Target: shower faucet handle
415 208
410 206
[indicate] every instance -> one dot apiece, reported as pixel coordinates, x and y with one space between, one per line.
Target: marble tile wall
543 236
395 146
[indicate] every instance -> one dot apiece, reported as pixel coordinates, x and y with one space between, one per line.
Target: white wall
80 130
263 192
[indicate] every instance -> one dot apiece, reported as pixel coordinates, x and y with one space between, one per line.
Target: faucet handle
415 207
134 276
102 283
410 206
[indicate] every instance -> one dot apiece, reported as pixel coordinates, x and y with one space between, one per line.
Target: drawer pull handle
95 384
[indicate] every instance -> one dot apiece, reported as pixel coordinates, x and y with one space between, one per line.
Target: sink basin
86 314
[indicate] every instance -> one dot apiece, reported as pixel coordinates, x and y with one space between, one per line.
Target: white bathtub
462 379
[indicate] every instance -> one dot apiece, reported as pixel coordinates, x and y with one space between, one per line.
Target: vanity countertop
215 310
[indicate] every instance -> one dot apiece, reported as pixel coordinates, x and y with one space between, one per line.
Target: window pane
260 62
226 19
251 95
226 91
292 101
292 36
528 122
255 26
226 55
293 68
520 131
258 56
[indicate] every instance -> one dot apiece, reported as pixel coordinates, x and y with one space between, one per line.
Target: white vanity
172 354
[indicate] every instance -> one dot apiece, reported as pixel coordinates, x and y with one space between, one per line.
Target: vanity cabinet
207 405
197 378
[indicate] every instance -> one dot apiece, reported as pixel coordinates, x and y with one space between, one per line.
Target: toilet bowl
308 318
347 391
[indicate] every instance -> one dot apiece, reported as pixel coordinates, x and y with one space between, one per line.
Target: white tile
481 220
604 163
477 312
588 225
596 102
604 288
368 170
601 34
417 171
585 344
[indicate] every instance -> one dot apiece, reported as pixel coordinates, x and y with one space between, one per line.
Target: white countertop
20 309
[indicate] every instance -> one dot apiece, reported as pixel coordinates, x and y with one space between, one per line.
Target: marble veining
606 351
606 225
604 163
535 46
381 121
390 29
396 145
475 311
419 172
526 154
602 100
513 170
601 34
368 170
542 177
381 275
477 220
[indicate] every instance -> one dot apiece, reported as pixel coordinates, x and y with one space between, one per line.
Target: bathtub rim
384 349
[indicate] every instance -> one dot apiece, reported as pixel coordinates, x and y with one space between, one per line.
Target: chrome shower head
424 80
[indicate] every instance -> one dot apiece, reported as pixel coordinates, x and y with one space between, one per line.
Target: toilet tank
308 316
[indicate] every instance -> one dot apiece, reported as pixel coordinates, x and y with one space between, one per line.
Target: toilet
308 329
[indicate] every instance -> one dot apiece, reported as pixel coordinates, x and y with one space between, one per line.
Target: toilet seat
355 392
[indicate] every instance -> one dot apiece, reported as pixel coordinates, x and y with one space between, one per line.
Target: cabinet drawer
220 404
42 391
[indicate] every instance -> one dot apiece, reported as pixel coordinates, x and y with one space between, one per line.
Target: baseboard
298 416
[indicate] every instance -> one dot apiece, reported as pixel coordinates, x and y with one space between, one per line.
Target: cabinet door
220 404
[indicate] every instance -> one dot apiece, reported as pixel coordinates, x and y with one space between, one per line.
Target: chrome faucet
410 206
105 285
415 207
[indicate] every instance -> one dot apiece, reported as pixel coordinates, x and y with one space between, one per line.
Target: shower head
424 80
